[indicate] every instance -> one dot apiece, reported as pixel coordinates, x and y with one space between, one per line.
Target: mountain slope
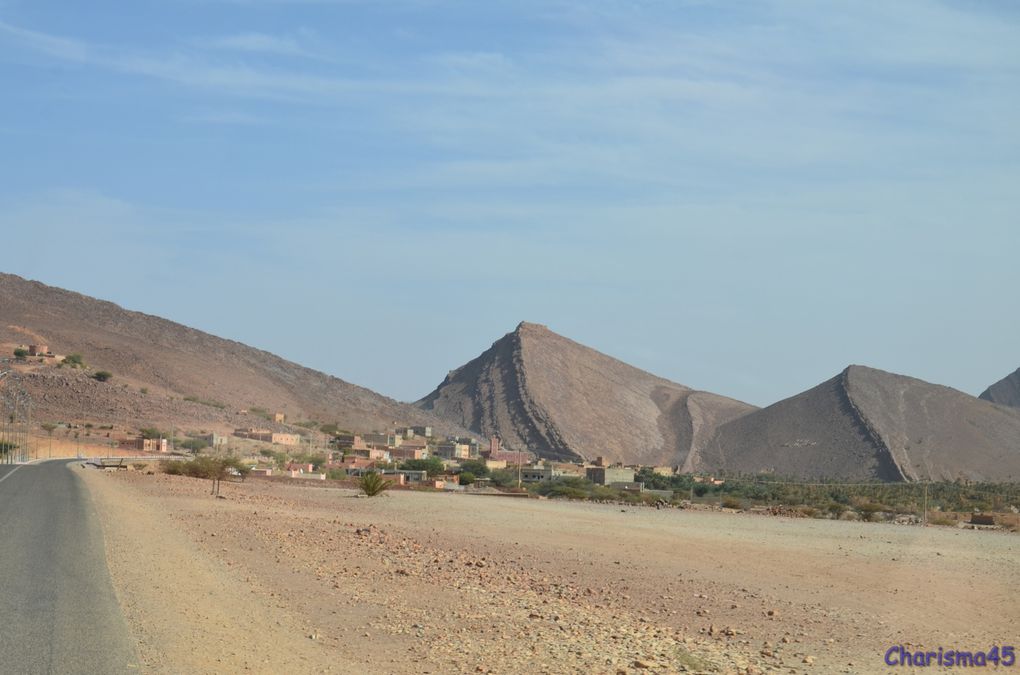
866 424
538 390
170 362
1006 391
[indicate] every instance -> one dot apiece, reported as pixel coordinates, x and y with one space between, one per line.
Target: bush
433 465
478 468
731 503
103 376
336 474
568 492
74 360
204 401
466 478
20 353
373 484
194 444
212 468
150 432
173 467
870 510
504 478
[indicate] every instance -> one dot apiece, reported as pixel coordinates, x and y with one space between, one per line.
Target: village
409 457
415 457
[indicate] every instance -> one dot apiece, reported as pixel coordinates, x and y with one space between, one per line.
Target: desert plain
279 578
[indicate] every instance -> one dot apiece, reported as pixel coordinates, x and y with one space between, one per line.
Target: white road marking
8 475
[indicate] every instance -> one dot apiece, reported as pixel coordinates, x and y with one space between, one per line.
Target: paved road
58 611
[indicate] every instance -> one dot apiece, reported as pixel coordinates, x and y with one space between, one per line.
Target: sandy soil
275 578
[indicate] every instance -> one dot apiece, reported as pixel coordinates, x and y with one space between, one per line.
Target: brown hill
171 362
866 424
538 390
1006 391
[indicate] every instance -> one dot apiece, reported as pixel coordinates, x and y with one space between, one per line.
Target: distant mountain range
536 389
165 373
532 388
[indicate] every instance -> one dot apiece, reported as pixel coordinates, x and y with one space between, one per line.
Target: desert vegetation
207 402
869 502
216 469
73 361
373 484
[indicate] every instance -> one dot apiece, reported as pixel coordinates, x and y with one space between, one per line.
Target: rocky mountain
541 391
1006 391
164 372
868 424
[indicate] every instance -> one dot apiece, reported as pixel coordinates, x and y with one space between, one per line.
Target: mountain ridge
174 362
868 424
537 389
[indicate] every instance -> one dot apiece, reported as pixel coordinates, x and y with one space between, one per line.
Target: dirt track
289 579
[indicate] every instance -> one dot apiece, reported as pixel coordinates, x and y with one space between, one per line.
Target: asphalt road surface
58 611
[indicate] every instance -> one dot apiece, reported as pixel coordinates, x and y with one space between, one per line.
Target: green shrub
466 478
836 509
103 376
567 492
433 465
74 360
476 467
194 444
731 503
205 401
20 353
373 484
603 493
503 478
870 510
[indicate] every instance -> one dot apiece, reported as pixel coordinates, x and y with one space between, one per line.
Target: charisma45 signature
949 658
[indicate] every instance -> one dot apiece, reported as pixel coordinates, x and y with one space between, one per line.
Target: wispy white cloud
50 45
225 117
263 43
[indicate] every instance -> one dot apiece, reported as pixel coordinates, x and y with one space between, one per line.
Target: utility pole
924 519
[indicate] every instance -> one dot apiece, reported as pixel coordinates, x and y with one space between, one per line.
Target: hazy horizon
743 198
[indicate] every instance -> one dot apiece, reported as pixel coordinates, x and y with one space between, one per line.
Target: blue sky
744 197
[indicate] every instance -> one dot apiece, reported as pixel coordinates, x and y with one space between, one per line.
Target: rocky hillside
158 364
1006 391
868 424
538 390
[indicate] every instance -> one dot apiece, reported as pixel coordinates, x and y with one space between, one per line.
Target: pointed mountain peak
1006 391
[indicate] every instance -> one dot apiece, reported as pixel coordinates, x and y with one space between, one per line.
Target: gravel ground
277 578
